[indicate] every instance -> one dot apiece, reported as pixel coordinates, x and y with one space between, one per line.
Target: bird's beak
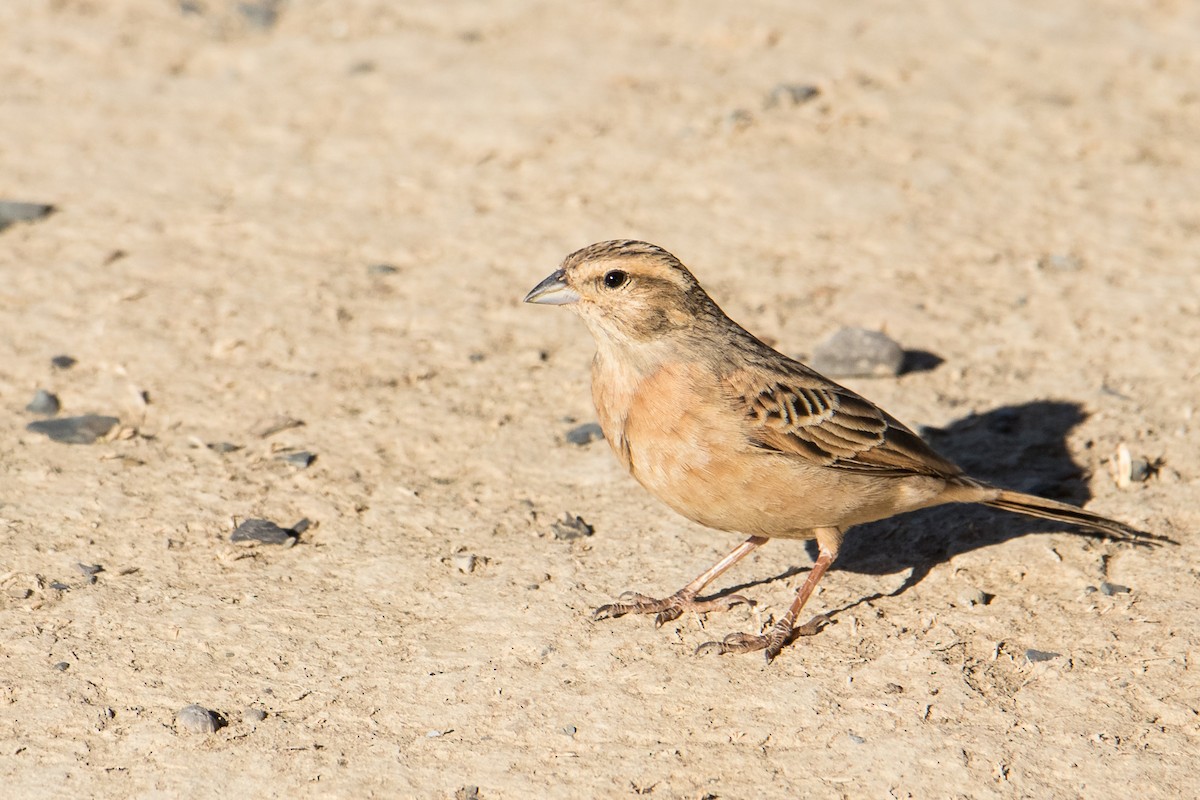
553 291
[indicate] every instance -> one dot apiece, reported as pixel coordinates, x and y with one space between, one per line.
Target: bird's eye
615 278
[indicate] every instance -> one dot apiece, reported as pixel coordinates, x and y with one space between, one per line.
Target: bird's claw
667 608
771 643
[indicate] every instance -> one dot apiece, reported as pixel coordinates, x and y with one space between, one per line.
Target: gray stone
791 94
196 719
858 353
75 430
44 403
569 528
585 434
1036 656
1113 588
262 531
14 211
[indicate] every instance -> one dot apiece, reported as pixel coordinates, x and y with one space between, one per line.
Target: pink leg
672 607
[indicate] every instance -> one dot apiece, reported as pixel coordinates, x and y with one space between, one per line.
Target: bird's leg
782 632
672 607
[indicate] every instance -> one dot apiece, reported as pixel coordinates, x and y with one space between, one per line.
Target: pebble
858 353
224 447
300 458
15 211
792 94
1113 588
854 737
251 715
63 362
262 531
89 570
196 719
59 586
464 562
893 688
570 730
585 434
262 14
569 528
62 666
43 403
75 430
382 269
467 793
1036 656
974 597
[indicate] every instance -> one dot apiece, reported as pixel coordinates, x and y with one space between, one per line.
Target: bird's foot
666 609
771 643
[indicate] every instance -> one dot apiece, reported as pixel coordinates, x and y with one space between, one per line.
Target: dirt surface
1013 187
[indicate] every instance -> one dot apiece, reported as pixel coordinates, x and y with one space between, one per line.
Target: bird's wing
800 413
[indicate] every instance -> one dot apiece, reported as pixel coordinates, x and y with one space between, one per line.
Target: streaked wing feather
804 415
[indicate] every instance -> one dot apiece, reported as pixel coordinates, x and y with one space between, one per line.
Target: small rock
1060 262
15 211
585 434
89 569
569 528
262 531
467 793
893 688
262 14
570 730
1036 656
300 458
59 586
75 430
854 737
43 403
858 353
432 734
464 562
251 715
1113 588
792 94
62 666
196 719
382 269
224 447
63 362
974 597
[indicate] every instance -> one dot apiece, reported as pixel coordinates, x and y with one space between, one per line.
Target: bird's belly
730 485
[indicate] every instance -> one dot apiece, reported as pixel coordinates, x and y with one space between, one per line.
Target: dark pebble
59 586
75 430
224 447
854 737
301 458
1036 656
262 531
467 793
62 666
569 528
43 403
14 211
893 688
382 269
792 94
1113 588
585 434
858 353
63 362
89 569
262 14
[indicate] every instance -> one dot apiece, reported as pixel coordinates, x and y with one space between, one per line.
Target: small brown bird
737 436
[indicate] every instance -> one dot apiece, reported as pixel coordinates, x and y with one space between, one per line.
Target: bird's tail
1062 512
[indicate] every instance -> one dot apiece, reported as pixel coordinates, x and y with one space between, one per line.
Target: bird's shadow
1015 447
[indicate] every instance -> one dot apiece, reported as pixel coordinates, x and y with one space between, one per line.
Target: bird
738 437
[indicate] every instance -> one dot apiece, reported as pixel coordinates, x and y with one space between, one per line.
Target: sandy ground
1012 186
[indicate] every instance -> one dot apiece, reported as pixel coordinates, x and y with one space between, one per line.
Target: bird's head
626 291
